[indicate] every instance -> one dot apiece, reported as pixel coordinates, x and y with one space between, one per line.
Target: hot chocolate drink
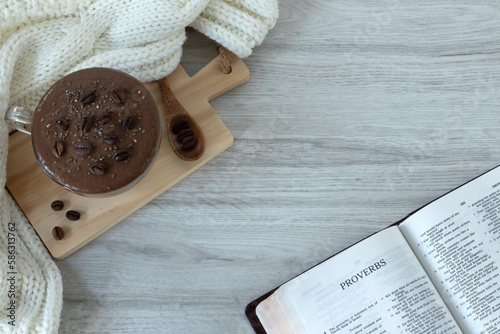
96 131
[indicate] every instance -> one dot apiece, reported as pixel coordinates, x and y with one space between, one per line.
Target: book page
376 286
457 239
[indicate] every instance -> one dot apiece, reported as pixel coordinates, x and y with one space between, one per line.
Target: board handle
211 81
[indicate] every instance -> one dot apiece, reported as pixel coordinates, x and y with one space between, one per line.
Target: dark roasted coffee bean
179 125
86 124
121 155
88 97
57 205
62 124
73 215
110 138
128 123
186 139
184 133
117 97
58 233
104 118
58 148
98 169
83 148
187 144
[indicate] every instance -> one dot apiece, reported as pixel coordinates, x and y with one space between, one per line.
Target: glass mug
94 132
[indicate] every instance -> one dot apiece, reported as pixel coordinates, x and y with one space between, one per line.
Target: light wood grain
34 191
345 126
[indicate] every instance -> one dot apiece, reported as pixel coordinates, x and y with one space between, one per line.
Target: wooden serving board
34 191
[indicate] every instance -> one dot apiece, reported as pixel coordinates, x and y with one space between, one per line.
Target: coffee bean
184 133
189 142
110 138
88 97
62 124
117 97
179 125
86 124
83 148
73 215
104 118
58 233
128 123
57 205
186 139
121 155
58 148
98 169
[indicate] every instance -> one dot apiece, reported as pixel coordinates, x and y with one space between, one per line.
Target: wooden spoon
184 133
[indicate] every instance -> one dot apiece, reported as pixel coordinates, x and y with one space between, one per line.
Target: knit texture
41 41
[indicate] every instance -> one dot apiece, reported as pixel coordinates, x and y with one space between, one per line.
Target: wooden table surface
356 113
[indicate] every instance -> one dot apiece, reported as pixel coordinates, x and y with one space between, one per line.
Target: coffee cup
96 131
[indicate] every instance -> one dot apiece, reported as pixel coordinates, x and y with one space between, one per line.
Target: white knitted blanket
41 41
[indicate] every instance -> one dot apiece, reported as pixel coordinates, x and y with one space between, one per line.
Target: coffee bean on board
57 205
58 233
73 215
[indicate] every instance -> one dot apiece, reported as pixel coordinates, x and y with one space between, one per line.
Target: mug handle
19 118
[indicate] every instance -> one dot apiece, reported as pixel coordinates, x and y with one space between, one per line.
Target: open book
436 271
